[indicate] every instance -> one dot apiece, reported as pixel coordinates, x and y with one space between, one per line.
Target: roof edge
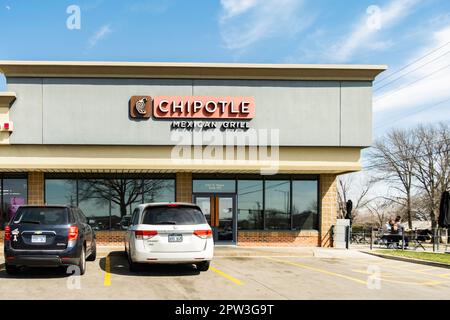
7 98
190 70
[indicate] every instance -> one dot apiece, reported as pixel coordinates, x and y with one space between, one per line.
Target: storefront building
257 147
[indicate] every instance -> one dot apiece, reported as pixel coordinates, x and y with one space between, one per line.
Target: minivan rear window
42 216
179 215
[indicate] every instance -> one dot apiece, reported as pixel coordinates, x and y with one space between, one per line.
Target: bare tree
432 165
393 160
348 187
381 209
122 192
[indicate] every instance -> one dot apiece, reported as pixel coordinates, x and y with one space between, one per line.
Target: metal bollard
371 238
434 240
347 237
403 238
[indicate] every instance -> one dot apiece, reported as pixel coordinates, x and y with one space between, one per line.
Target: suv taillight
7 233
73 233
203 233
145 234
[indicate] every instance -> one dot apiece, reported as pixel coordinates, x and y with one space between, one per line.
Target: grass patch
428 256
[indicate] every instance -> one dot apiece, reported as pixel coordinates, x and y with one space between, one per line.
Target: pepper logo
140 107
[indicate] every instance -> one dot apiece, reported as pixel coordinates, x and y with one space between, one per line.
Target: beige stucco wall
71 158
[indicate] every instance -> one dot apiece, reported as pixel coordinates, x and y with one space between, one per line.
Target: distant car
173 233
125 222
48 236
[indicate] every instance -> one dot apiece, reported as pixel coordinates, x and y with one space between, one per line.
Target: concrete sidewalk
234 251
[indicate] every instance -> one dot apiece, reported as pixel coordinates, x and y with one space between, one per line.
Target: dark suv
48 236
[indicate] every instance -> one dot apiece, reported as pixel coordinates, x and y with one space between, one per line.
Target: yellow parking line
383 277
107 280
319 270
223 274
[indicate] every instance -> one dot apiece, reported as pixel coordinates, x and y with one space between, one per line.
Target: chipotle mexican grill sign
192 107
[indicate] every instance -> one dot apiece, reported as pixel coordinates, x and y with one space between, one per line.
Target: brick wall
36 188
184 187
328 196
278 238
110 238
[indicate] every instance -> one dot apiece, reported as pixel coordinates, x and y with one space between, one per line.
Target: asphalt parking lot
237 273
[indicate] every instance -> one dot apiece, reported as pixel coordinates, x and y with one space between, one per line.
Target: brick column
328 209
184 187
36 188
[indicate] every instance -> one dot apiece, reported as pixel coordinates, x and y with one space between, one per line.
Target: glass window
108 203
61 192
94 196
277 205
180 215
250 205
159 190
135 217
205 205
215 186
304 205
14 195
42 216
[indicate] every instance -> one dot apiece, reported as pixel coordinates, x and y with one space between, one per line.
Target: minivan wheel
11 270
82 263
203 266
93 254
134 267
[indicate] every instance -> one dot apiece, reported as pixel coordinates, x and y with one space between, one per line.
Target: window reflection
14 195
277 211
304 205
108 202
250 205
61 192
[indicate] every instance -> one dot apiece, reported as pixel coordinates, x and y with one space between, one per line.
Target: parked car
175 233
125 222
48 236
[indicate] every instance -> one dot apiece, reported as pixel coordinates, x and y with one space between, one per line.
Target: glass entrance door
219 211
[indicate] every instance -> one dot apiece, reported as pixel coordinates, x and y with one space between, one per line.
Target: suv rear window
43 216
180 215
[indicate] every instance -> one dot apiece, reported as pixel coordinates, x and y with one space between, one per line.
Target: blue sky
392 32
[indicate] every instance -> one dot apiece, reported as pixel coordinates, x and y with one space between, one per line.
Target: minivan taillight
7 233
203 233
145 234
73 233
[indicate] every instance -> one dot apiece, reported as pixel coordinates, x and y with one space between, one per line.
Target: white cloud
233 8
363 34
244 23
428 85
99 35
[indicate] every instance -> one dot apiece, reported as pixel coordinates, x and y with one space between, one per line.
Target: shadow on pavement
35 273
119 266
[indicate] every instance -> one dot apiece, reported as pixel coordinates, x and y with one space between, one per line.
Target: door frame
232 195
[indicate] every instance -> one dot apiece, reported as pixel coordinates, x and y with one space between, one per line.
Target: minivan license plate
38 239
175 238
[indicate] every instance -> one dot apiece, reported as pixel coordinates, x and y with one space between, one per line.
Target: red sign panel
201 107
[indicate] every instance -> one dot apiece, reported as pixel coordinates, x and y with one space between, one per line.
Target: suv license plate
175 238
38 239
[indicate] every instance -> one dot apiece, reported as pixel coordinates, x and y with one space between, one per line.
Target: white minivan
169 233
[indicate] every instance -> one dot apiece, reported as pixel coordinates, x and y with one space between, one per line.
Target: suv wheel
203 266
82 263
11 270
93 254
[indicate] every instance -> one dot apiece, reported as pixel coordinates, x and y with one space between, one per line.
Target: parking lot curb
411 260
